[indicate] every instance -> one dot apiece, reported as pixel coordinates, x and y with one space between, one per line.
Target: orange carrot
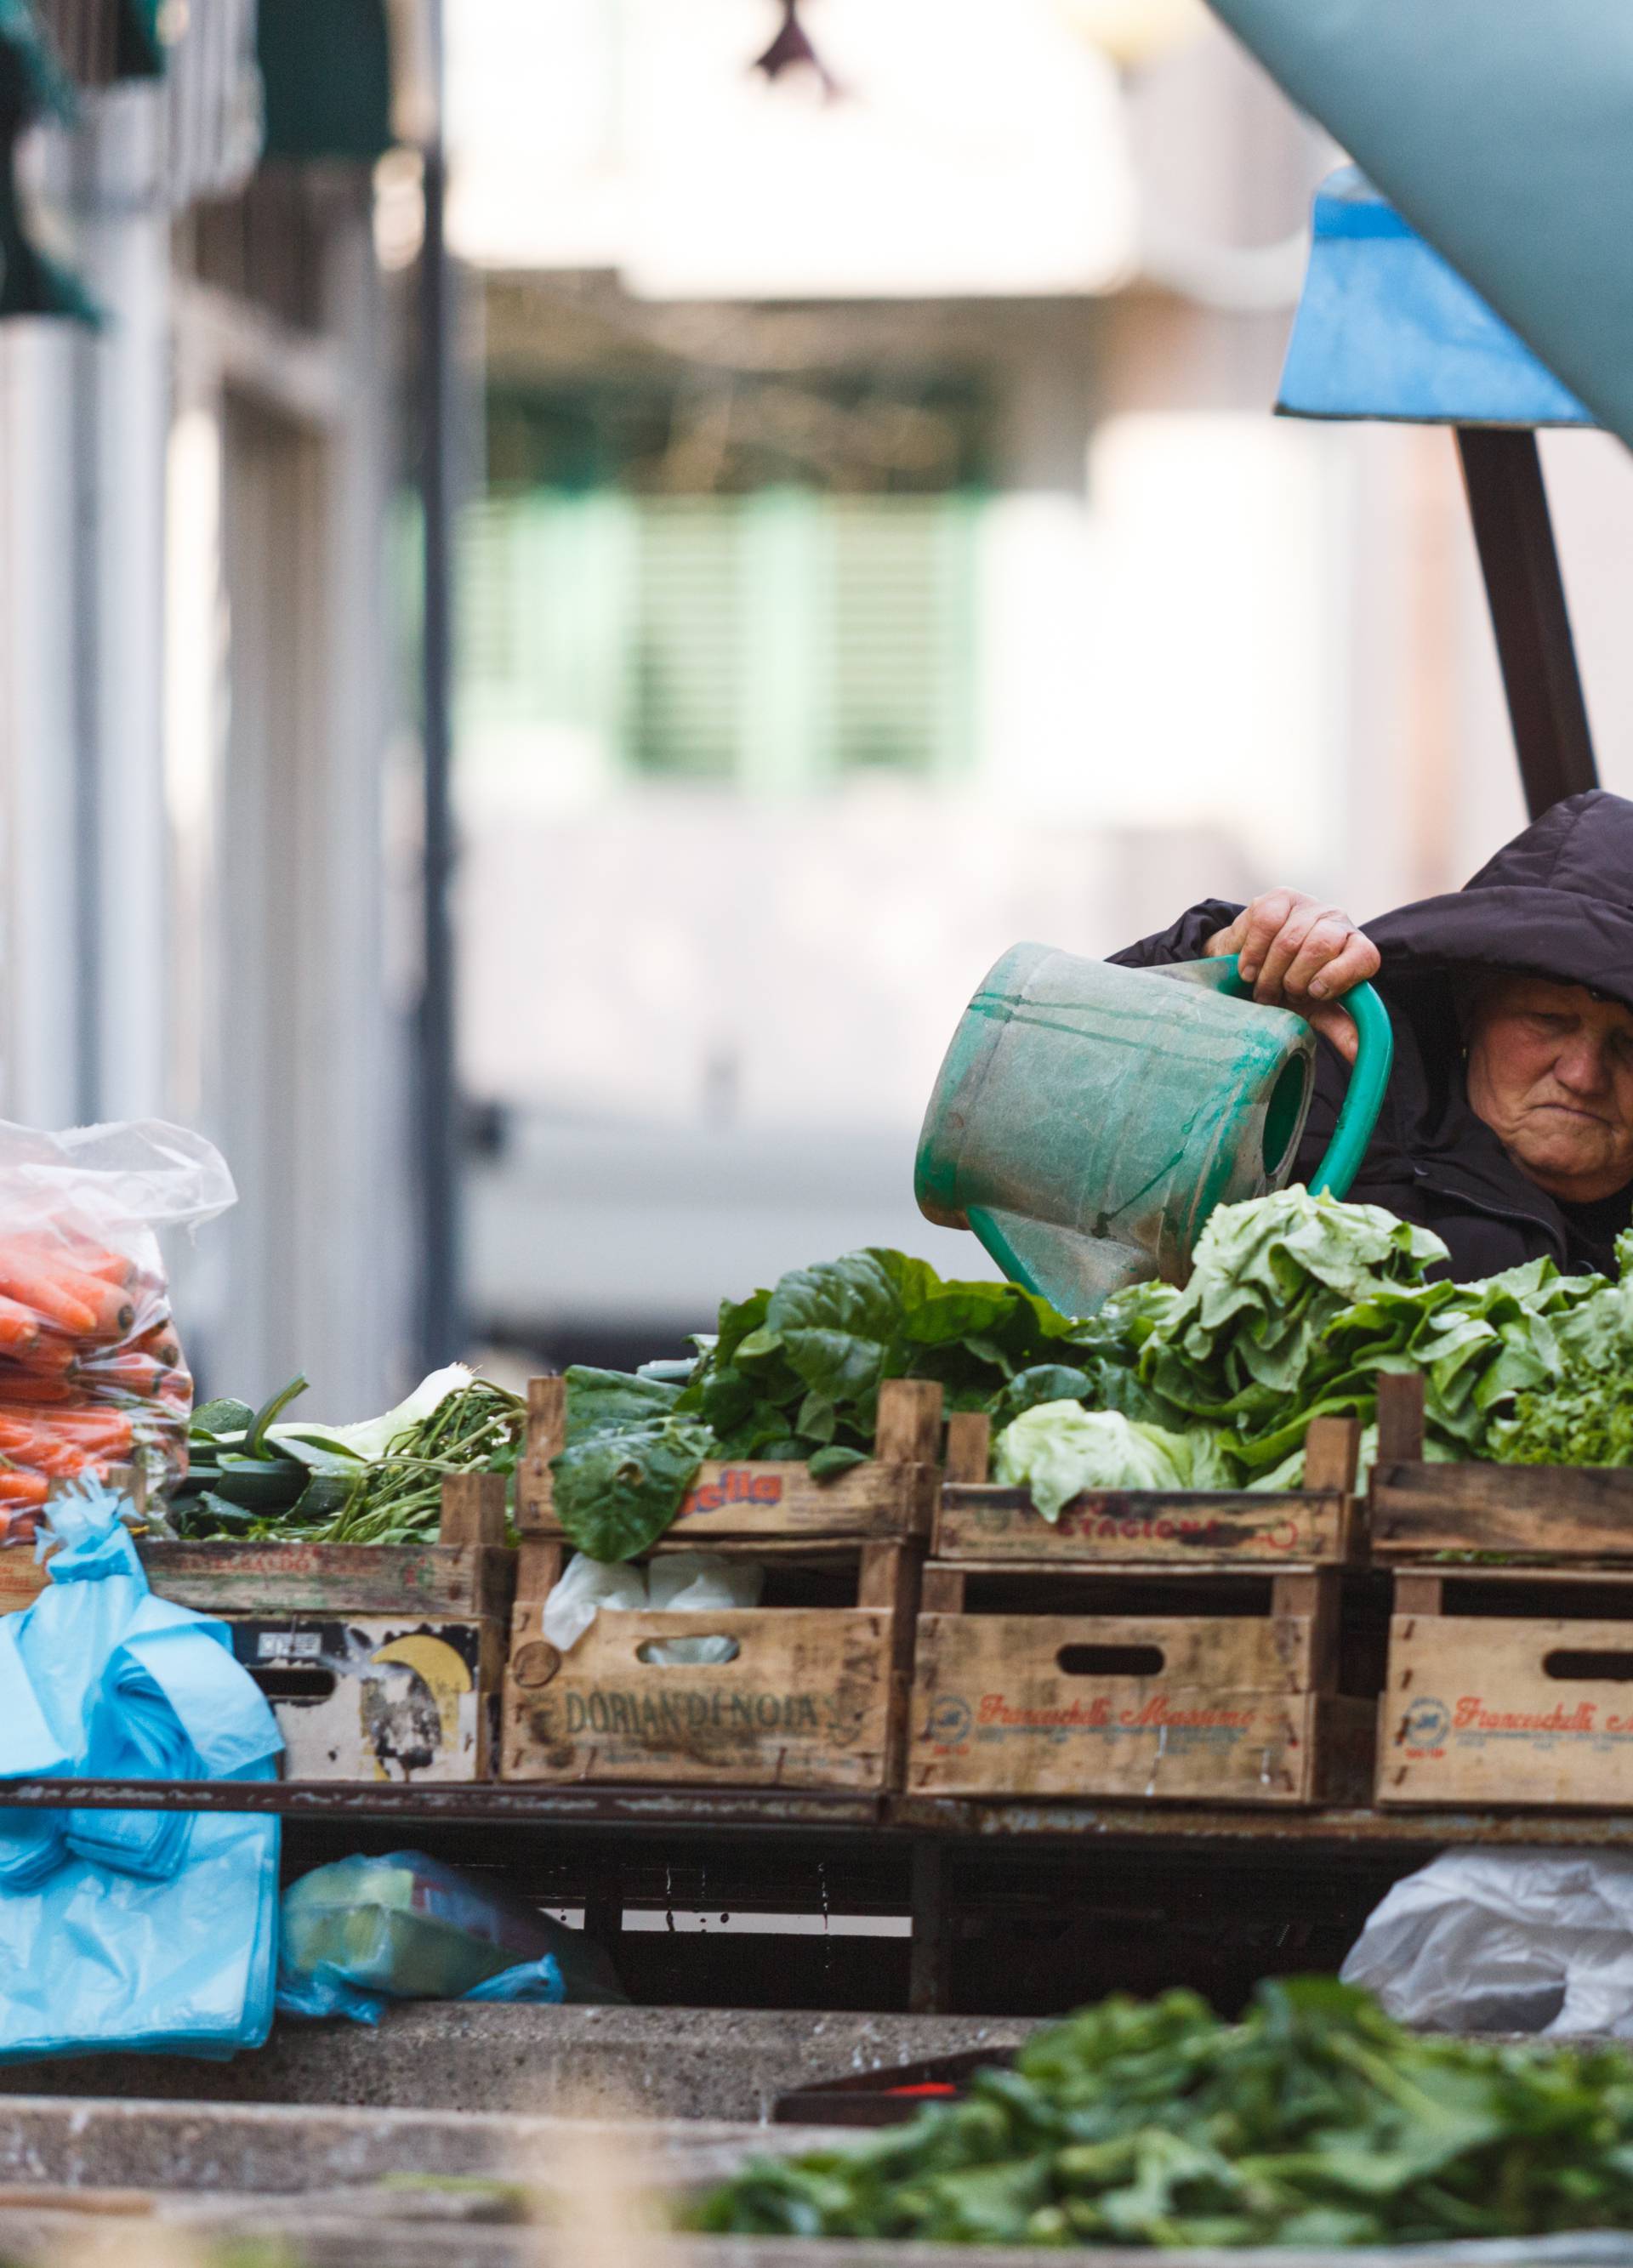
19 1327
19 1385
124 1372
159 1340
77 1254
109 1429
51 1356
17 1487
110 1304
36 1289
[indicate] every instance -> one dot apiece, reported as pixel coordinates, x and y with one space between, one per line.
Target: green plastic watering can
1088 1118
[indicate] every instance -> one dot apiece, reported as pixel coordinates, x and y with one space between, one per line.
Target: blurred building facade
885 553
197 697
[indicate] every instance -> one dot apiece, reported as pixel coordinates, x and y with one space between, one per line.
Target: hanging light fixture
792 50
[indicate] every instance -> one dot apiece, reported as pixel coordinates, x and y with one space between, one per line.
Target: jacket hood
1555 902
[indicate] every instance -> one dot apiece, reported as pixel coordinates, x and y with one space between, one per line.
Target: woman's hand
1297 953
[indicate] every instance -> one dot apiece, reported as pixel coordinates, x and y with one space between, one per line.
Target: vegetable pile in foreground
1315 2122
379 1482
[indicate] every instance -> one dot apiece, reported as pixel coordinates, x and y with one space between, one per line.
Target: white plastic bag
1506 1941
676 1582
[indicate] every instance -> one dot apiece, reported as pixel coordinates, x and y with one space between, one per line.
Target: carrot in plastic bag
67 1248
19 1327
120 1371
18 1487
30 1283
158 1339
51 1356
19 1385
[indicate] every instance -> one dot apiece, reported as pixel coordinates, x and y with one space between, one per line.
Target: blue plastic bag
365 1931
129 1929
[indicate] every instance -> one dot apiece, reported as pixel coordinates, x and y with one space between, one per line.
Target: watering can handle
1368 1079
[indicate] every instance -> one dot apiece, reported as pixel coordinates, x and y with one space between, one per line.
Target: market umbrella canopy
1501 129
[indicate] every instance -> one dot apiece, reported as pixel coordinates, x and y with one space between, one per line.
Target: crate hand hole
1567 1663
1113 1660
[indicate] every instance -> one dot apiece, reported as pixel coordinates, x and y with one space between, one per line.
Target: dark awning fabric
139 52
1501 129
32 85
326 67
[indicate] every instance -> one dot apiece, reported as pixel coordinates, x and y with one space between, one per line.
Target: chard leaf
617 1491
604 1401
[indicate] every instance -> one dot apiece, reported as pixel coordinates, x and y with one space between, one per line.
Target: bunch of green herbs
1582 1414
1315 2122
379 1482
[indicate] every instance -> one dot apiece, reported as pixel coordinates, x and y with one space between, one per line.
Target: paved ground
646 2063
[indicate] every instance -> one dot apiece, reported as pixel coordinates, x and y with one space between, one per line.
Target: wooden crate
1510 1685
890 1497
1317 1525
1069 1681
381 1661
1544 1514
815 1698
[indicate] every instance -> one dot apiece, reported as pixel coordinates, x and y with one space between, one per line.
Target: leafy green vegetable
1059 1449
1315 2122
794 1372
1295 1307
1580 1411
618 1490
1297 1304
379 1482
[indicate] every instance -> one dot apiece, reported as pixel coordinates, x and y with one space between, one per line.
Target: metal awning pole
437 1103
1508 504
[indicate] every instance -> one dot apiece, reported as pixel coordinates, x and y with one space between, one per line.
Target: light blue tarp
1502 129
129 1929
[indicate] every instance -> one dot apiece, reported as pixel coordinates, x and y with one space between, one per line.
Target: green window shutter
544 591
902 655
687 654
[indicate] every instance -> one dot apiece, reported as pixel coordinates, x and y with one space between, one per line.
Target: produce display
1295 1305
377 1482
794 1372
91 1371
1315 2122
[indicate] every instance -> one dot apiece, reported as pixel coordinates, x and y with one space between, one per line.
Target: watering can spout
1088 1118
1081 1271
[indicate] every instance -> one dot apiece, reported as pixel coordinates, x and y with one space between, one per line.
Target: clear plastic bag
91 1373
365 1931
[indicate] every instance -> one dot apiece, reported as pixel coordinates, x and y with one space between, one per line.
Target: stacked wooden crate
381 1661
1147 1645
816 1694
1511 1646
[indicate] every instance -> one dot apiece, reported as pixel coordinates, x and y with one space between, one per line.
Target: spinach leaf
618 1489
605 1401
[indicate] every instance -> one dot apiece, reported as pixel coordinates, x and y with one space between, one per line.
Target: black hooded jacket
1555 902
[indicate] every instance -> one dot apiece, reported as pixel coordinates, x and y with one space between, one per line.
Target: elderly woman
1508 1126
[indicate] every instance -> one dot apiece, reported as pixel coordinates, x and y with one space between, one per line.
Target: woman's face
1550 1071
